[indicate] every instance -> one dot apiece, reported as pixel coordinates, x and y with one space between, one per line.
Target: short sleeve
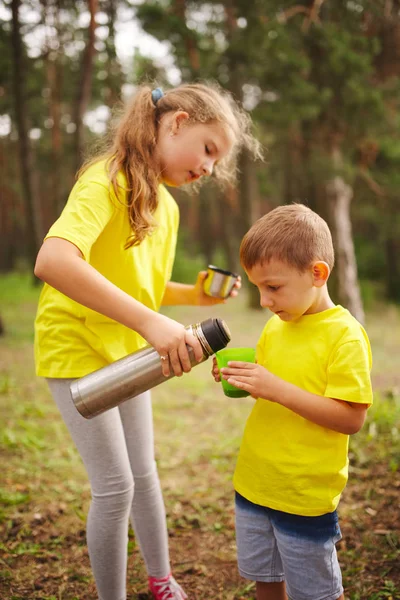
86 214
349 373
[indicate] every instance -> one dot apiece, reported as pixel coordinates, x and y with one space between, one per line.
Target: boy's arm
338 415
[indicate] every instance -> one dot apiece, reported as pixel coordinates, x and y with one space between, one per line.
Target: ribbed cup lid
216 332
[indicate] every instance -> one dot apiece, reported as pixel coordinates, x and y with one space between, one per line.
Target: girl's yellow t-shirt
70 339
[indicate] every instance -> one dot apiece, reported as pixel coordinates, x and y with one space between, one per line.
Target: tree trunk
33 222
115 77
84 88
11 207
249 207
228 239
339 196
205 231
248 185
53 78
392 248
53 50
294 186
189 40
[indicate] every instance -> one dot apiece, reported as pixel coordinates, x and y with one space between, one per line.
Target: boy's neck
322 302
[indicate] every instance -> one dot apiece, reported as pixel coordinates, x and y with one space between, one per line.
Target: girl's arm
182 293
338 415
60 264
178 293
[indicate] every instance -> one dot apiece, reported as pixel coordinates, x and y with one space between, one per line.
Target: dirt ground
202 548
44 495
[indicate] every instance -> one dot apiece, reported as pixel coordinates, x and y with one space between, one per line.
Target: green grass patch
44 494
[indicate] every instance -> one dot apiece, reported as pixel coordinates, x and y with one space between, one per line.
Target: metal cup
219 283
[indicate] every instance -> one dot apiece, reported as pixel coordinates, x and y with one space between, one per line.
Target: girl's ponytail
132 148
132 151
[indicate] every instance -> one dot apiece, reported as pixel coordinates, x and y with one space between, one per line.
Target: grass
44 494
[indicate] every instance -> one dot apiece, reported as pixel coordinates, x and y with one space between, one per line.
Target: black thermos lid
216 332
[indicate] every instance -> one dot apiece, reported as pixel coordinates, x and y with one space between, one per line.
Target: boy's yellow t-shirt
70 339
285 461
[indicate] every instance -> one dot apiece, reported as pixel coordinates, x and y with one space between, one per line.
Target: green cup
227 354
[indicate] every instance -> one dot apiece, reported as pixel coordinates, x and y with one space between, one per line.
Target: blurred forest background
321 80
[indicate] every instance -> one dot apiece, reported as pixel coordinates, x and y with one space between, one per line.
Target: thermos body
123 379
138 372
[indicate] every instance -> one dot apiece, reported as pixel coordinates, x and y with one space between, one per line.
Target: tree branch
371 183
313 15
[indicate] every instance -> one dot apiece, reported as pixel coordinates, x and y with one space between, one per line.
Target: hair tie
156 94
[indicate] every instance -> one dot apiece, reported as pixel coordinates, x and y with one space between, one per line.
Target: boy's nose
265 301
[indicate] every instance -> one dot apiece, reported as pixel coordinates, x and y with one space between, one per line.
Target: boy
312 388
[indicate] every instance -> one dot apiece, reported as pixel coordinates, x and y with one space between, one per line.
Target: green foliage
8 498
380 435
147 71
187 263
17 287
308 82
371 293
311 84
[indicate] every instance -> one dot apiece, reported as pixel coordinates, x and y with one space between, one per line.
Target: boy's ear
320 272
179 118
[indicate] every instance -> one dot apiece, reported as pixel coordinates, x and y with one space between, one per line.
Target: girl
106 263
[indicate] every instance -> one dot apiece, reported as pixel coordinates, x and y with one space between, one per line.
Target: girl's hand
202 299
252 378
215 371
169 338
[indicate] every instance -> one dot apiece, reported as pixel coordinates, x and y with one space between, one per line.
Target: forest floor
44 495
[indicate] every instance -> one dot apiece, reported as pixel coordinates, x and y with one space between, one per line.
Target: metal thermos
140 371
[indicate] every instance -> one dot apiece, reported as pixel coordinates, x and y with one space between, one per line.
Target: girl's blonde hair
293 234
133 141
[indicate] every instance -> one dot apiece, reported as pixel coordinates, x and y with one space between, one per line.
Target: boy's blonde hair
133 143
293 234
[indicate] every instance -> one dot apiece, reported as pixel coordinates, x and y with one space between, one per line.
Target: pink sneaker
166 588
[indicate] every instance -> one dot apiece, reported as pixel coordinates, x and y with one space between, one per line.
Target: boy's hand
215 371
202 299
252 378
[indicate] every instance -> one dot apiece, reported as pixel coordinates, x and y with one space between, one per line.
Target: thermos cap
216 332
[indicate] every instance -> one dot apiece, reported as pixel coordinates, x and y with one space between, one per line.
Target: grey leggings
117 450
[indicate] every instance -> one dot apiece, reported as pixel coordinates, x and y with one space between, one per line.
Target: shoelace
170 590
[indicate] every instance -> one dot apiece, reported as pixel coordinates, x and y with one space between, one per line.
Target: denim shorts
275 546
